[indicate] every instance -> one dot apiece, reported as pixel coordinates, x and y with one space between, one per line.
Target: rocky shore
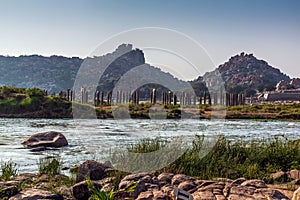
93 180
93 176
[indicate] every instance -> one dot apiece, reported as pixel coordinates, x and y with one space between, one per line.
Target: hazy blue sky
269 29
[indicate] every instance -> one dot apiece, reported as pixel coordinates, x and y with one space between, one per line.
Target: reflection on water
96 139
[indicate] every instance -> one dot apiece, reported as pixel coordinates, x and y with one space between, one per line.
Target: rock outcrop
165 185
141 186
244 73
41 141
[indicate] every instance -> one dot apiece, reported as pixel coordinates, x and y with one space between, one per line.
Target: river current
97 139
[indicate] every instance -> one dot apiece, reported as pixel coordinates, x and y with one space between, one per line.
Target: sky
270 29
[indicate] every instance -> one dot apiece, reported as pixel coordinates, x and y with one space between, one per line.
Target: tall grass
147 155
9 170
49 165
229 159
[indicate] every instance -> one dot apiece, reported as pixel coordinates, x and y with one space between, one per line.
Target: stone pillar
174 99
169 97
153 96
102 98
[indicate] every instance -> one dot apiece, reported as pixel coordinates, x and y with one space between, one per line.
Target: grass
49 165
147 155
256 159
97 194
266 110
9 170
147 145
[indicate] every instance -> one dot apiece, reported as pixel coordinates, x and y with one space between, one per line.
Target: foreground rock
91 169
41 141
81 191
286 176
36 194
8 188
162 187
168 186
296 195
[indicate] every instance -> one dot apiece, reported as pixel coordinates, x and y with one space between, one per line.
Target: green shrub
9 170
49 165
97 194
147 145
35 92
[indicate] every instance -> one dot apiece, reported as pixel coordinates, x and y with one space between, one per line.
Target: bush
9 170
49 165
97 194
35 92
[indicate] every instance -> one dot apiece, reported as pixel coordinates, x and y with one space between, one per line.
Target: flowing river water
97 139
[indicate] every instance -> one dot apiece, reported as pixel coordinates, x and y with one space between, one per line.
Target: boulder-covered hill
245 73
54 73
58 73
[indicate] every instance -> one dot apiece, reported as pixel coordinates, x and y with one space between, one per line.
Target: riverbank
34 103
270 170
140 186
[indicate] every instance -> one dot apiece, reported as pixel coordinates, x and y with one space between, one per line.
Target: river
96 139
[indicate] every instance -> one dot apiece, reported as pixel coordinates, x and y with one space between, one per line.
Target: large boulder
81 190
296 195
91 169
47 139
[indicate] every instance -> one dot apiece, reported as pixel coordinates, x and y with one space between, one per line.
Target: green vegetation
265 111
9 170
97 194
33 103
256 159
147 145
49 165
50 170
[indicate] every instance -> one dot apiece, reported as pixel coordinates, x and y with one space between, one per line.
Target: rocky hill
245 73
57 73
53 73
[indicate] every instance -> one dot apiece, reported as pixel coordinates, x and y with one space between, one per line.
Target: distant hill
53 73
58 73
244 73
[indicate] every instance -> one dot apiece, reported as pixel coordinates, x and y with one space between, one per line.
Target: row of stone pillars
183 98
69 94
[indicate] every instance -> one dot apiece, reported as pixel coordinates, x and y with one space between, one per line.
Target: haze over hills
243 73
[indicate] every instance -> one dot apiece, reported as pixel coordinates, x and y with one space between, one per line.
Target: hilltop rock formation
245 73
